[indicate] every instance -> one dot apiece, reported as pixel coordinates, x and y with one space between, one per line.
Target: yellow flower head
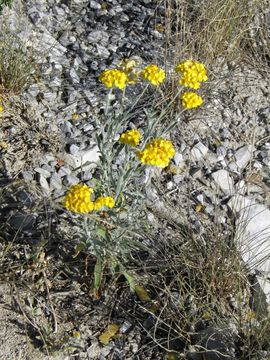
104 201
130 137
191 100
78 199
114 78
193 73
158 152
153 74
1 109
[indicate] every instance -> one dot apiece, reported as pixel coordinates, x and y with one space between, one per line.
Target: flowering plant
111 226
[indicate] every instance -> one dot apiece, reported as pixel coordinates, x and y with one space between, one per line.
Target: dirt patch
14 340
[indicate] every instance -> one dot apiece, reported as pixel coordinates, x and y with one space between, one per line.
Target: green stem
123 100
120 182
173 124
163 115
139 98
130 279
108 102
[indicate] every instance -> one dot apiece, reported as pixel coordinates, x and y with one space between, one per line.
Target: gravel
217 152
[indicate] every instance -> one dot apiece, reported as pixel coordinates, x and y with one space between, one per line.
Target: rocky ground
220 171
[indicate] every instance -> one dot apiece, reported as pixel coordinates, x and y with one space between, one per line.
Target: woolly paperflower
193 73
191 100
104 201
153 74
130 137
1 109
78 199
114 78
158 152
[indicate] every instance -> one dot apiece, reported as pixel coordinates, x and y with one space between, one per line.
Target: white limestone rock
85 158
178 159
264 283
243 156
198 151
223 181
238 203
252 232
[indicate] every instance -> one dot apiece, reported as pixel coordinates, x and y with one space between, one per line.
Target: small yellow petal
106 336
75 117
199 208
76 334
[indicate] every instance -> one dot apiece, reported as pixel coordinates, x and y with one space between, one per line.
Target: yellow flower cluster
153 74
78 199
191 100
130 137
104 201
158 152
193 73
127 73
114 78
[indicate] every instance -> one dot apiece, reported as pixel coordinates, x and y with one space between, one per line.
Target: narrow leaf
101 232
142 293
130 279
80 247
97 274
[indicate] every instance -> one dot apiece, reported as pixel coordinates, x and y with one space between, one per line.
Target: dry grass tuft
199 285
257 44
17 63
212 31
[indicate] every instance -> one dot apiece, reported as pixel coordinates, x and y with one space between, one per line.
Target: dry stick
51 305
